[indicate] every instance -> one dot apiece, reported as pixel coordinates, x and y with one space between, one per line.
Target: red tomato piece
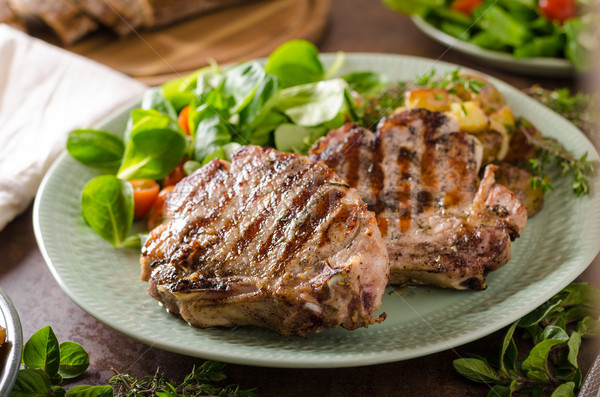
160 208
145 192
465 6
184 119
176 175
558 10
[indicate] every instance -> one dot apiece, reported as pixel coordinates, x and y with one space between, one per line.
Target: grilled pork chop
271 240
419 175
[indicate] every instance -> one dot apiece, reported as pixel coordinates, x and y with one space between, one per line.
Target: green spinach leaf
107 207
95 148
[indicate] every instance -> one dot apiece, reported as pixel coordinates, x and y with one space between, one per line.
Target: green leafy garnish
44 361
199 382
107 207
550 150
579 108
95 148
555 330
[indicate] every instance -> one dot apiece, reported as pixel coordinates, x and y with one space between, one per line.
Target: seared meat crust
419 176
271 240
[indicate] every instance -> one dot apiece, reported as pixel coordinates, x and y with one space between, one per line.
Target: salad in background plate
523 29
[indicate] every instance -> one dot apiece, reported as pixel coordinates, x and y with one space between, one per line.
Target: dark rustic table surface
355 25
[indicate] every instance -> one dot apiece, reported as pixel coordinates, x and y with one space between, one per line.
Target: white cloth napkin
45 92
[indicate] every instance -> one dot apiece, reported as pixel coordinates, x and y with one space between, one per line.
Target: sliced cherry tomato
145 192
160 208
184 119
558 10
176 175
465 6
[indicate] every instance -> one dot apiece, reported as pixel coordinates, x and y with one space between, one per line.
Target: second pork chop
419 175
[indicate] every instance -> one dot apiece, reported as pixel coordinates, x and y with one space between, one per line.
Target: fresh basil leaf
31 383
555 333
74 360
154 99
91 391
580 294
536 363
535 316
95 148
577 313
295 62
564 390
313 104
58 391
573 344
476 370
588 326
509 346
499 391
56 379
42 351
541 376
366 83
107 207
155 146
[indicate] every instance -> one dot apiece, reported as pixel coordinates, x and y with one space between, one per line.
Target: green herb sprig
46 364
199 382
554 330
579 108
549 150
453 82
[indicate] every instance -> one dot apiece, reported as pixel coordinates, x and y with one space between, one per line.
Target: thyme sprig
549 150
580 109
199 382
453 82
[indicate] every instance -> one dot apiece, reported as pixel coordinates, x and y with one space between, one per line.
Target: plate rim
328 361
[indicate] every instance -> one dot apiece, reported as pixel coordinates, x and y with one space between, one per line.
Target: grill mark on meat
258 224
404 188
342 217
308 226
376 176
352 150
298 204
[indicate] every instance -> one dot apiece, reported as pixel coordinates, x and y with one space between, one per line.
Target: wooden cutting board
233 34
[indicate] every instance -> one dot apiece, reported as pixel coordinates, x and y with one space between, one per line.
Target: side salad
287 102
524 28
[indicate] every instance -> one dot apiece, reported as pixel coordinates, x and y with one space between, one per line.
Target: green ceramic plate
556 247
548 67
